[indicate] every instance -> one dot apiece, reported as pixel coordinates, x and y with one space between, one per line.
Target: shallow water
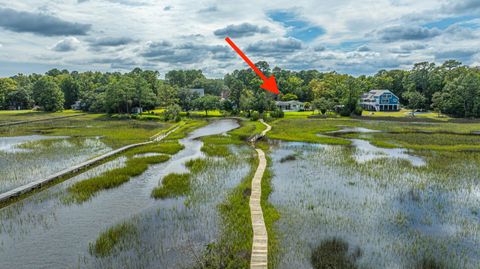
24 159
377 206
10 144
44 232
367 152
354 130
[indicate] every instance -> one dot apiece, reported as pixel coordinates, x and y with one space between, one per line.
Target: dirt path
9 195
259 259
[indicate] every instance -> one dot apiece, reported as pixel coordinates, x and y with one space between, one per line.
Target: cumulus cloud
465 6
275 47
111 41
364 48
459 54
240 30
408 48
67 44
41 24
398 33
186 53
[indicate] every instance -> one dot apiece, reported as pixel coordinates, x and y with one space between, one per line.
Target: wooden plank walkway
6 196
259 258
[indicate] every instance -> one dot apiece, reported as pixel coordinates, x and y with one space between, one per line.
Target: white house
290 105
379 100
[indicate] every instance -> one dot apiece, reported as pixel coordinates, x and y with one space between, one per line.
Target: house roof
373 93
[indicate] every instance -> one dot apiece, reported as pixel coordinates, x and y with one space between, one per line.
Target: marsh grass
290 157
270 215
219 145
169 147
233 248
173 185
84 190
111 239
334 253
113 132
412 135
395 210
305 130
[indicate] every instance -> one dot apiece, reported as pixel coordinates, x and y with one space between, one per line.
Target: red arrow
269 84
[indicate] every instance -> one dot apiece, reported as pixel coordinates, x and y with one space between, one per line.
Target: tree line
450 88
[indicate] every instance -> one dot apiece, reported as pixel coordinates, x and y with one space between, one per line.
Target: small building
137 110
77 105
290 105
379 100
199 91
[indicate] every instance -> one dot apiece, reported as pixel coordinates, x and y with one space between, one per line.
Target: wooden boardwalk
6 196
259 258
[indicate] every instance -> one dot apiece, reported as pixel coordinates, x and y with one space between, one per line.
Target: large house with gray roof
379 100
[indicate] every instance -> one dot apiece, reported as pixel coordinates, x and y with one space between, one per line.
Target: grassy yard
7 116
406 113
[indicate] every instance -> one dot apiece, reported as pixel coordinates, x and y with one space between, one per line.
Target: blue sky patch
445 23
296 27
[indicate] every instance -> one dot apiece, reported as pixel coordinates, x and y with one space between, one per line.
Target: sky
348 36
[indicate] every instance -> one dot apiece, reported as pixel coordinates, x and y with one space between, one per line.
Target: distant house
379 100
290 105
199 91
137 110
77 105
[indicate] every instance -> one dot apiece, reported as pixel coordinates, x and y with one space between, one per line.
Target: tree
289 97
7 85
236 88
321 104
71 90
143 95
119 95
167 95
186 99
172 112
207 102
20 99
415 99
247 101
441 102
48 95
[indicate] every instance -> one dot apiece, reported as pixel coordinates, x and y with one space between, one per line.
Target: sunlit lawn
27 115
405 113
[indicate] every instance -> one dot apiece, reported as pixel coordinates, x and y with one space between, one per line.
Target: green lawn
406 113
7 116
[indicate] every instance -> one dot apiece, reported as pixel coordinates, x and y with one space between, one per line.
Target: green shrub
277 113
255 116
